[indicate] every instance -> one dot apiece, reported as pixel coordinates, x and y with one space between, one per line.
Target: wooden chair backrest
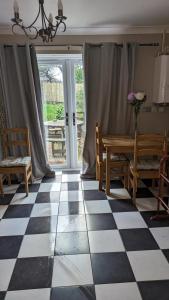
99 143
149 145
13 138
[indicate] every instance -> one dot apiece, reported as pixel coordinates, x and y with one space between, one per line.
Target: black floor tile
72 243
73 208
18 211
39 225
154 290
100 222
147 182
138 239
143 193
122 205
47 197
111 268
2 295
33 188
31 273
50 180
116 184
9 246
70 186
71 172
74 293
154 223
94 195
166 253
6 199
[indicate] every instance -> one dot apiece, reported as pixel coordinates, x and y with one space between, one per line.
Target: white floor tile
90 185
161 236
105 241
71 223
71 196
70 177
37 245
3 209
50 187
6 269
72 270
13 226
118 291
119 194
21 198
146 204
10 189
44 209
126 220
97 207
64 208
41 294
149 265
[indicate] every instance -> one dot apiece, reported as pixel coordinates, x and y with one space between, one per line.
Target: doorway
62 86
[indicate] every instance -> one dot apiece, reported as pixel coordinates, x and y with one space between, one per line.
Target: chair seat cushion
15 162
115 157
147 164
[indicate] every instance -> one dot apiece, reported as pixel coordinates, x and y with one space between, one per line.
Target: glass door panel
79 109
54 112
62 85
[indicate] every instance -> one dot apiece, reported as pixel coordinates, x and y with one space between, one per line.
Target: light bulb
60 8
16 7
50 18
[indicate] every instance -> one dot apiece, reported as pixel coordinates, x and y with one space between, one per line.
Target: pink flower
131 97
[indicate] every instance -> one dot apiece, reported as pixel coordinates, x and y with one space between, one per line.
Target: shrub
53 111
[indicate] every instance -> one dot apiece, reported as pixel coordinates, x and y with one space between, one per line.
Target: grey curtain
109 76
20 89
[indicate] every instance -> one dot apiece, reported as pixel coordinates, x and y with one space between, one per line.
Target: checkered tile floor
67 240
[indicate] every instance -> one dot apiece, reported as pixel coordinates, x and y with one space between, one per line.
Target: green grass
53 112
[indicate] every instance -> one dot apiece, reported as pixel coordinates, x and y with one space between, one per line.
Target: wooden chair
148 150
13 138
163 185
116 163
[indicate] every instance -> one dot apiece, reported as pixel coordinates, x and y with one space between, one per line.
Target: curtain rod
94 45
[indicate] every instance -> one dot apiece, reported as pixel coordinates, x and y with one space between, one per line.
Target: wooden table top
120 143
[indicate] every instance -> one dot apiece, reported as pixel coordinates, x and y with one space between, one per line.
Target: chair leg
126 179
1 186
26 183
31 174
134 190
97 171
100 178
9 179
108 181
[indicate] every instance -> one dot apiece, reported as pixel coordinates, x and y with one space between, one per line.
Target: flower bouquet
136 100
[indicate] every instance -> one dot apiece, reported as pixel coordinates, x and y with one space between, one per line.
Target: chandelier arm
31 25
62 22
54 30
46 16
24 30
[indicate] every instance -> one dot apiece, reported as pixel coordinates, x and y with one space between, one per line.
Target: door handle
74 119
67 119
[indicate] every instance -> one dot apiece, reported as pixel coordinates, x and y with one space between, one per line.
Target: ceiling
95 15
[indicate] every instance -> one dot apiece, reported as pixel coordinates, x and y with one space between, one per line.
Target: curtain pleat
21 92
109 76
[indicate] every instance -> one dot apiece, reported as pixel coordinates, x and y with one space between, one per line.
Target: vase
135 122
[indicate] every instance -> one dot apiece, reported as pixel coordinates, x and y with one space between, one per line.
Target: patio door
63 108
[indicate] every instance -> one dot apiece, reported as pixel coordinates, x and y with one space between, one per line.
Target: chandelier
48 29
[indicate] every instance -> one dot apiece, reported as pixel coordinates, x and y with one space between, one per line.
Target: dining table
120 145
